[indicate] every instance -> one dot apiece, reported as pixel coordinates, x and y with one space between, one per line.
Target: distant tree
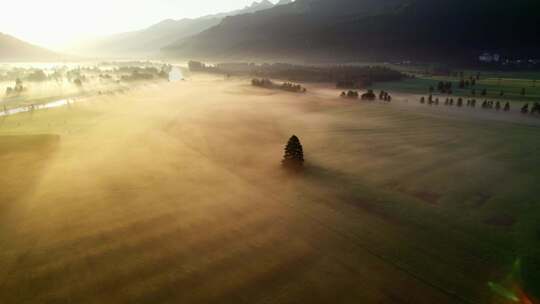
525 109
448 86
368 96
484 92
294 154
536 108
18 86
353 94
441 87
37 75
507 107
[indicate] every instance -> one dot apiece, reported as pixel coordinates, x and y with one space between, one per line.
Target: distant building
489 58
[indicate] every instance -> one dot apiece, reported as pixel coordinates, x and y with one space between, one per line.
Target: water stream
49 105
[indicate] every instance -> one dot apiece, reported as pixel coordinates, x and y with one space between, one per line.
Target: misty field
174 193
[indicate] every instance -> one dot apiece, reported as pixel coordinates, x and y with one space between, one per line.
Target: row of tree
469 103
369 95
534 110
345 76
292 87
286 86
486 104
350 94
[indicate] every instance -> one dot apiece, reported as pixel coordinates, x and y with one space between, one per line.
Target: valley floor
174 193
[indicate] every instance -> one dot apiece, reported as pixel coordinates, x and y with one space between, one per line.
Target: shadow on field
24 157
337 188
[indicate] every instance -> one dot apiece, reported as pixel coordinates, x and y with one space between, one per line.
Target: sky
55 23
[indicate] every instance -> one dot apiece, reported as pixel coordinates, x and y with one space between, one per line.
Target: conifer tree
294 154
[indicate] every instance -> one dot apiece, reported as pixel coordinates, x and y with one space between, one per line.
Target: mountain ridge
149 41
370 30
13 49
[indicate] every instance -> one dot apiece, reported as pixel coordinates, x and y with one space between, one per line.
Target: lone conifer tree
294 154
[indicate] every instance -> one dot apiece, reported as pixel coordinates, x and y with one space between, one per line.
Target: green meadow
511 83
174 193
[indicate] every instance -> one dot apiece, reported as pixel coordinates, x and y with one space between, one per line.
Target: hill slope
13 49
371 30
149 41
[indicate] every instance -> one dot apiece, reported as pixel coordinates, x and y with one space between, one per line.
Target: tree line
470 103
535 109
345 76
368 96
286 86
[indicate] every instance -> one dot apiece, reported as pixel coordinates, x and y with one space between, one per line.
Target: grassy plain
494 82
173 193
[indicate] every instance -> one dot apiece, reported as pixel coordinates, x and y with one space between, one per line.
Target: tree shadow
23 159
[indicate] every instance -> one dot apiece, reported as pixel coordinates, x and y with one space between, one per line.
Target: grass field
494 82
174 193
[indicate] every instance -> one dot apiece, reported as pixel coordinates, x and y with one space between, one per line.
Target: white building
489 58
